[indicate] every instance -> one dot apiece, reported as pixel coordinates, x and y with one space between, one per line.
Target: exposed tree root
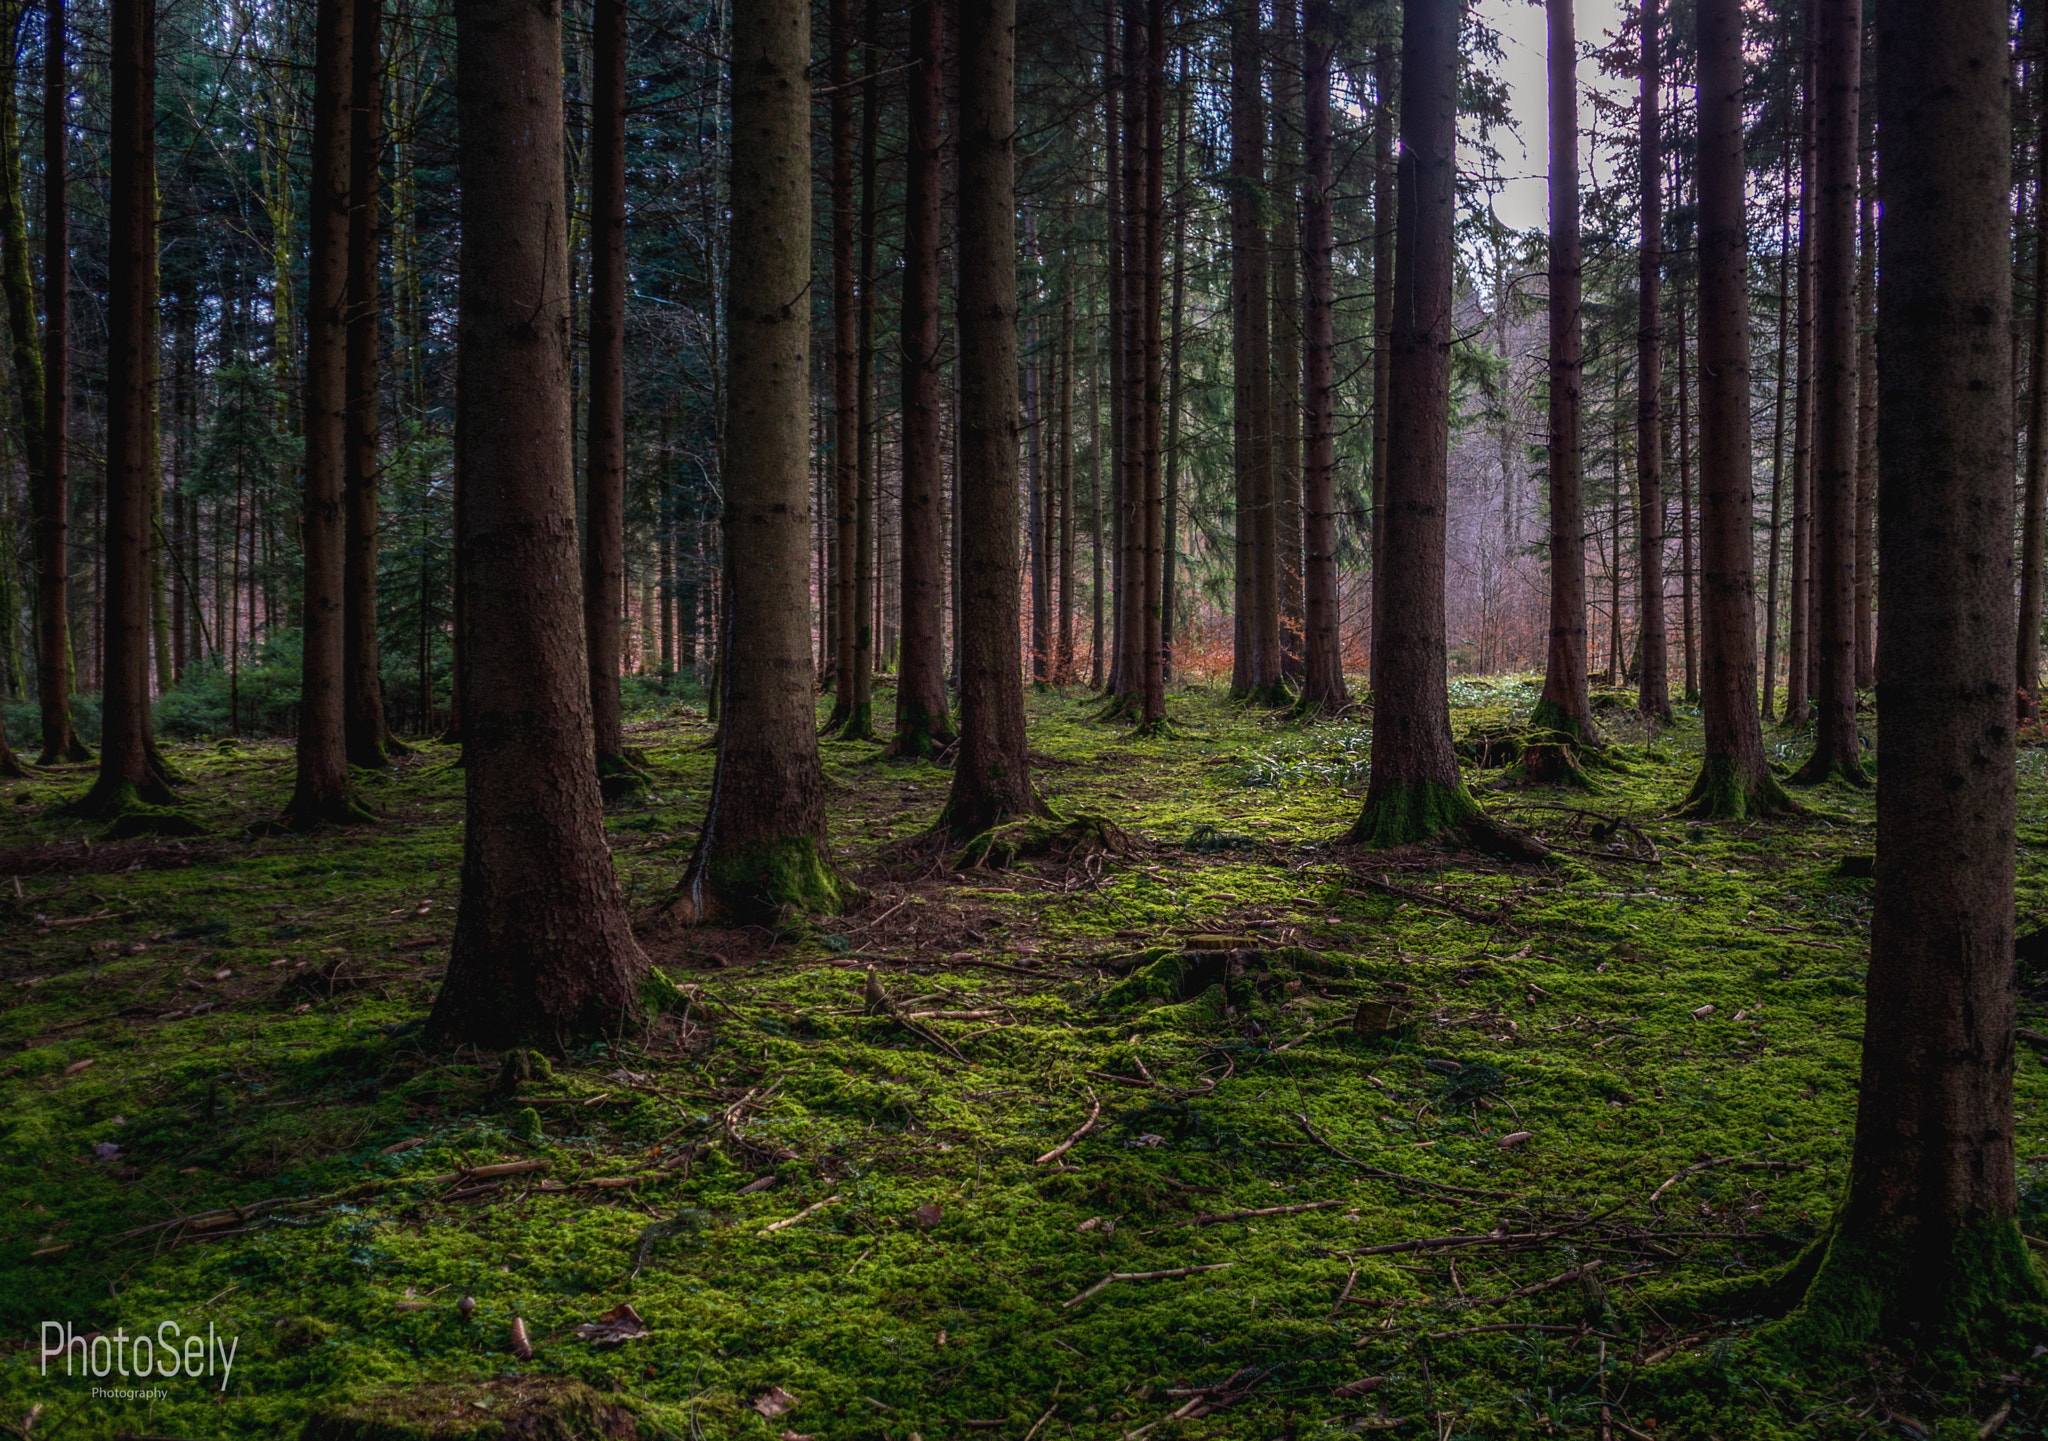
1032 837
1820 768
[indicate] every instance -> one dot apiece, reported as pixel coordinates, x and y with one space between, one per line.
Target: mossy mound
526 1408
1032 838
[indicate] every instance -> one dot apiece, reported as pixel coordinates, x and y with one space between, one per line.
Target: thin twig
1094 1110
809 1210
1115 1276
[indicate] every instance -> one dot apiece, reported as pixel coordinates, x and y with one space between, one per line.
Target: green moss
1721 793
755 881
659 994
1412 813
536 1408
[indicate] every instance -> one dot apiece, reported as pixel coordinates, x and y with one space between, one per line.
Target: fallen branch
1115 1276
1741 1163
1094 1110
788 1221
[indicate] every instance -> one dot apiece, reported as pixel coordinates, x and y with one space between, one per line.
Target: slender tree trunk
1063 663
1096 652
1687 570
1925 1250
1415 791
1653 697
845 364
1170 521
2034 510
1564 706
1287 333
542 953
604 530
1772 590
1257 528
1130 599
1115 221
1152 650
54 671
1837 749
1385 222
369 740
128 770
923 716
1322 650
320 793
1799 659
991 774
860 720
1866 385
1735 778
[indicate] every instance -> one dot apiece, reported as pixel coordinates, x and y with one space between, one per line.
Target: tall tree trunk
1735 778
1152 652
1564 706
1287 336
1688 571
542 953
128 771
860 719
2034 509
1130 599
992 772
1322 686
1866 383
1415 791
1837 749
1799 657
1113 86
923 718
1169 539
845 363
369 740
1097 656
604 530
1385 222
320 792
1653 696
1063 648
1925 1249
1251 329
55 679
1772 590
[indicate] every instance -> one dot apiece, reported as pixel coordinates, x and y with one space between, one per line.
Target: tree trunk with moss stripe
543 953
763 845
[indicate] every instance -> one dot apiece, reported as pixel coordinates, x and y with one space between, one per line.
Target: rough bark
1415 791
1774 563
369 741
1564 705
1129 682
542 952
1151 649
54 666
604 530
1170 532
1322 686
1866 388
923 718
860 716
320 791
1385 81
1799 639
1653 695
1837 749
1735 778
128 770
1287 330
1925 1250
845 364
1063 646
1688 572
991 774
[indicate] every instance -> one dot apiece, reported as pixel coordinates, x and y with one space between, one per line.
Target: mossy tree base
620 775
1821 767
1406 815
306 817
761 882
110 800
532 1408
859 724
922 737
1274 695
1722 793
1550 763
1031 837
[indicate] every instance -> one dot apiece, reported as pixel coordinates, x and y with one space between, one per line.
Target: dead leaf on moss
620 1324
773 1402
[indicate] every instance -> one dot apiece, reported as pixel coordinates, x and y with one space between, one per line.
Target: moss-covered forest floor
1624 1074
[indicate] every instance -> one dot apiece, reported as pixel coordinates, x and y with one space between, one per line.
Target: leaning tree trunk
1735 778
1415 791
128 770
992 774
604 531
1322 685
369 741
1925 1250
55 676
763 845
1564 707
1653 696
542 952
923 719
845 366
1837 750
320 793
